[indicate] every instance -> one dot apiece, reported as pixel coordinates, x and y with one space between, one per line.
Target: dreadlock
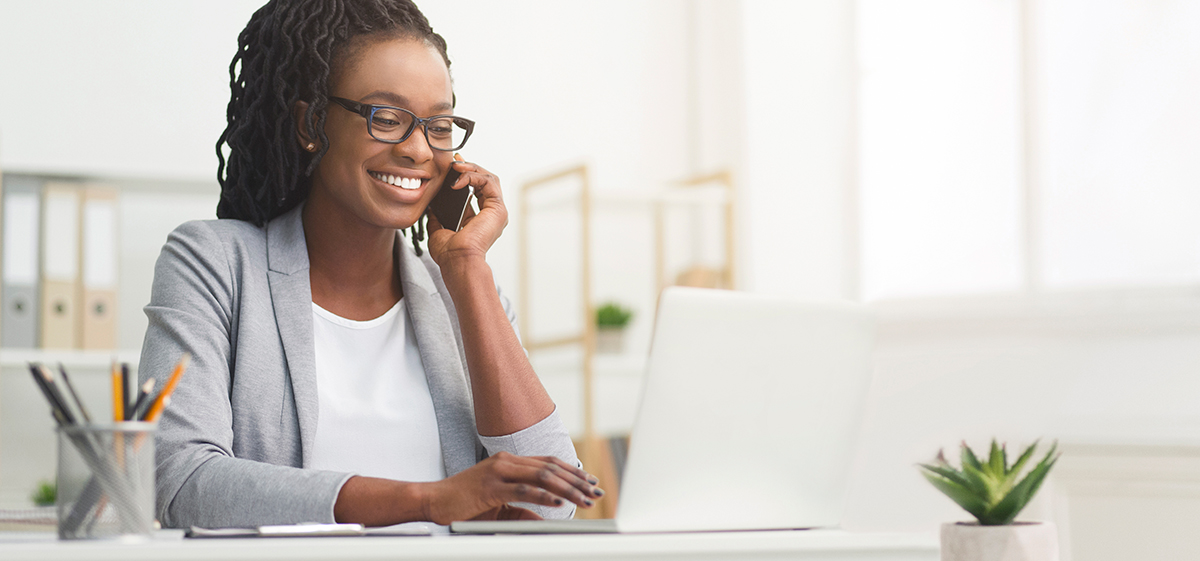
285 54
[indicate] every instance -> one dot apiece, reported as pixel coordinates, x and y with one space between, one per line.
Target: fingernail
598 491
592 479
558 502
588 502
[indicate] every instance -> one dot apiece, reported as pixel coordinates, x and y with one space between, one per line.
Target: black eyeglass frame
367 111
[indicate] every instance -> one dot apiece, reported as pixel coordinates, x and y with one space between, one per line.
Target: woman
339 374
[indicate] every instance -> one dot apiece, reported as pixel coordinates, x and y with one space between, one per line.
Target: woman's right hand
505 478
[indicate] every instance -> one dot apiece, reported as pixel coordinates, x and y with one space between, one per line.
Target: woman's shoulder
217 240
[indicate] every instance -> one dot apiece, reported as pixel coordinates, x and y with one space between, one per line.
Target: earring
311 147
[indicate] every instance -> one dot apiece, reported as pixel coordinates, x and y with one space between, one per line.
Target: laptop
749 418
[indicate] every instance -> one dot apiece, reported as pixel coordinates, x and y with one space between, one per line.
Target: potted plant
611 319
45 493
994 492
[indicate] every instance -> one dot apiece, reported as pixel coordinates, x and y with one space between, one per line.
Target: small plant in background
45 494
613 315
990 490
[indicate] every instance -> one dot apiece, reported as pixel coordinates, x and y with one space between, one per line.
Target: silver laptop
748 421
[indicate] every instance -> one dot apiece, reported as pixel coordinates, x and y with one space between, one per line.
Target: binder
19 264
60 266
98 260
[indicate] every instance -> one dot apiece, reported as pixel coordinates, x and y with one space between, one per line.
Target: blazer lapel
444 364
291 297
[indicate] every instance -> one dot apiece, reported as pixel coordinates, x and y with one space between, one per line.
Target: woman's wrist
464 271
373 501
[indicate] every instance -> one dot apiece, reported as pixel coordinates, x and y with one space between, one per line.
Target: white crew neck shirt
375 415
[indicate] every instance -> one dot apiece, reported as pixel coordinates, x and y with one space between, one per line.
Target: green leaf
979 484
957 493
968 457
1020 495
1020 463
948 473
995 460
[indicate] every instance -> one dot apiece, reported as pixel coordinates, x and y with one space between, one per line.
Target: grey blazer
234 441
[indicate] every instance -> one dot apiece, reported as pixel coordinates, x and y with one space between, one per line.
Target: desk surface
812 545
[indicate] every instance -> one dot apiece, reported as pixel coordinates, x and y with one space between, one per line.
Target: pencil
41 384
143 399
159 402
75 396
117 394
126 403
57 395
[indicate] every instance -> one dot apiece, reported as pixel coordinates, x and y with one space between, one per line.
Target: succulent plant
45 493
990 490
612 314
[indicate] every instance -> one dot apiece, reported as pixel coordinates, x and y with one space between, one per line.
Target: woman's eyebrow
398 100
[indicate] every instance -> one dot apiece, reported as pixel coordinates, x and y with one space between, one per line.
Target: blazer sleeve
193 308
548 437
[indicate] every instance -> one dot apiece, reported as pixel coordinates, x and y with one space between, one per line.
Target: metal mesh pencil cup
106 481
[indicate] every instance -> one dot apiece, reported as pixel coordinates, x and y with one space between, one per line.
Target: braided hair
286 54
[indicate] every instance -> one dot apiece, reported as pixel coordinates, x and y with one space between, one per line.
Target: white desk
816 545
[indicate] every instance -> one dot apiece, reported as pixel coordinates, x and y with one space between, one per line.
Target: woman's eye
381 121
441 128
387 119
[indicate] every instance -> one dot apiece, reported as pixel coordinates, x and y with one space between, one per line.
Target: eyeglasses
394 125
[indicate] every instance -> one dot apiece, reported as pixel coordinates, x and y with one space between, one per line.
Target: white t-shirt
375 415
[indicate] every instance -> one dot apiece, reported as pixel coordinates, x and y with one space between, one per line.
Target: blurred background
1012 184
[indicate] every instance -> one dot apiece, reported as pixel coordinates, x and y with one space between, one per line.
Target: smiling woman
340 374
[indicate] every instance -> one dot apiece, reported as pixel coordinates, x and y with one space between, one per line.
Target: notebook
748 420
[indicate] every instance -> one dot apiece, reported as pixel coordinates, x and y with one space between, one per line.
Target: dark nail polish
588 502
592 479
558 502
598 492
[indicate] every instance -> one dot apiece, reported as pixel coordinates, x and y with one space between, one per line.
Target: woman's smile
406 183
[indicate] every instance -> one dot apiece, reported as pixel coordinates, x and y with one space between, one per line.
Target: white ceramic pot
610 340
1019 541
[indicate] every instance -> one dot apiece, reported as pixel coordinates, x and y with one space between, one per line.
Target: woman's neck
352 266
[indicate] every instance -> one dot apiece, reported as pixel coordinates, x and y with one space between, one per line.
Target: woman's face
351 178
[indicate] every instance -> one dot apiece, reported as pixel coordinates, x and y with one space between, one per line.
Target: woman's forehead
406 72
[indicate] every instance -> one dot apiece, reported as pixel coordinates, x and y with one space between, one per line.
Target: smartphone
449 205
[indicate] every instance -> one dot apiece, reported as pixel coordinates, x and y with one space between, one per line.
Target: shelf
71 359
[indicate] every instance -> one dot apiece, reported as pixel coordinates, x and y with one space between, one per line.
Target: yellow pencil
159 402
118 394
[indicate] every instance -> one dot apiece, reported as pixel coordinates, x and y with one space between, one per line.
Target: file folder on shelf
99 267
60 266
19 264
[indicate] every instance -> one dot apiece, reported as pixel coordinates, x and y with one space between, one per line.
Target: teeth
407 183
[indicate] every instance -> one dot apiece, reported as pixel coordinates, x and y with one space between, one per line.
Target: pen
159 402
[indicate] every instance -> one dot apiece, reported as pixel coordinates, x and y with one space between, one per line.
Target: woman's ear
306 142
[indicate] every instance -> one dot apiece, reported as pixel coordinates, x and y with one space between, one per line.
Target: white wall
799 165
116 88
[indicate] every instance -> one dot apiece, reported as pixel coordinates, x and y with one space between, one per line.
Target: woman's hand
485 489
478 231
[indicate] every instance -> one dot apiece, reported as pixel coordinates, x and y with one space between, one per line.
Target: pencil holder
106 481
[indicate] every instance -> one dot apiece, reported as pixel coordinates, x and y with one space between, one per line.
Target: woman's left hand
478 231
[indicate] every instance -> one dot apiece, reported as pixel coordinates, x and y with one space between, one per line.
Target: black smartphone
449 205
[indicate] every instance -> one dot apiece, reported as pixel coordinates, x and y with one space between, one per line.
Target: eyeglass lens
390 125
